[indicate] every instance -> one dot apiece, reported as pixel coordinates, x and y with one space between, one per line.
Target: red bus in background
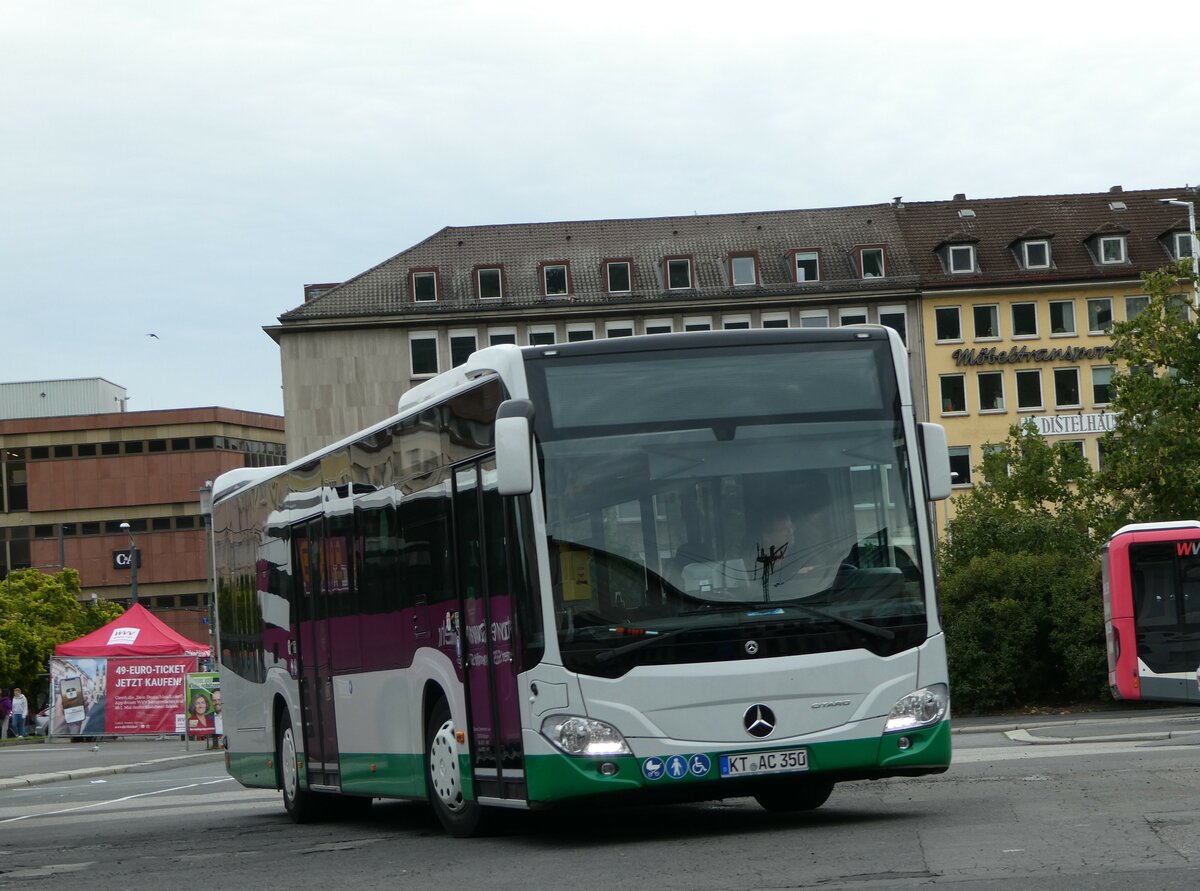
1151 575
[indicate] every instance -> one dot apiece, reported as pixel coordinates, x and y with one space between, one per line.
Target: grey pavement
37 761
34 762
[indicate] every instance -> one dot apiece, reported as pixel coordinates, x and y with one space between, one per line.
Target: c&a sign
121 559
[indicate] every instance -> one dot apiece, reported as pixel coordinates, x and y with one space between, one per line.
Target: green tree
1020 580
38 612
1152 457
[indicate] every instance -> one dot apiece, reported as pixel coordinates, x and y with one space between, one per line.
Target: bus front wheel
298 802
797 795
459 816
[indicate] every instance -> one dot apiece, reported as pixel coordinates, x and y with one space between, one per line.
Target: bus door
315 654
487 607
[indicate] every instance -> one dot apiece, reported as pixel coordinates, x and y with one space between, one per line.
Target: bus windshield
696 498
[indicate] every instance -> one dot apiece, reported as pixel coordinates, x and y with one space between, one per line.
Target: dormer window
424 285
808 266
961 258
556 280
678 273
618 276
1035 254
1111 249
1183 245
871 262
489 282
743 270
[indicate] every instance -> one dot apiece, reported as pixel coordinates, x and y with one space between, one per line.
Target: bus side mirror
935 458
514 447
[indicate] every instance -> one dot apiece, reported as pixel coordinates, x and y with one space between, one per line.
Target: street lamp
1191 207
133 561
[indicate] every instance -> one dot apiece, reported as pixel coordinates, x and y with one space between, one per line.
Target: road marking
112 801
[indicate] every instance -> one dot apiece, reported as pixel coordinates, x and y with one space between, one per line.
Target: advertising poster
127 695
204 704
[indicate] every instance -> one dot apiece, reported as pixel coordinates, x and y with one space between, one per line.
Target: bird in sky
155 336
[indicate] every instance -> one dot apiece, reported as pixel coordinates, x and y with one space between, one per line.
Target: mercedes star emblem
759 721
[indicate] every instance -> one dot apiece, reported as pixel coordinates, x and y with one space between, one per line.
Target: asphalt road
1108 801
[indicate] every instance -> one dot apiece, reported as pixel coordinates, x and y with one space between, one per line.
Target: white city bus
666 568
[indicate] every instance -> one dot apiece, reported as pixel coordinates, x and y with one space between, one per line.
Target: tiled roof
520 249
913 233
1067 221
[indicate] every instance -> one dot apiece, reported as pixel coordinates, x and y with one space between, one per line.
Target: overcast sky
184 168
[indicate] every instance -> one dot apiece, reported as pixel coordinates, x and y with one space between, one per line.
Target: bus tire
443 776
796 795
299 803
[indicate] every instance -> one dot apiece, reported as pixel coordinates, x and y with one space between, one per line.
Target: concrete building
67 483
351 350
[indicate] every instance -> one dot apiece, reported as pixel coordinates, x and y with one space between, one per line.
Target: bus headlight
584 736
919 709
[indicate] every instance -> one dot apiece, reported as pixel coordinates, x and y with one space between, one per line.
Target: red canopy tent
136 633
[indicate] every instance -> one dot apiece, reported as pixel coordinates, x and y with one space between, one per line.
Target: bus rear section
1151 574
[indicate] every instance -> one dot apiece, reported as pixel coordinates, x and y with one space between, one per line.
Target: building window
1134 307
555 281
852 315
1112 249
776 320
954 394
743 270
1024 320
1036 254
962 258
896 318
808 266
618 329
497 336
489 283
991 391
1075 447
1066 388
699 323
1029 390
679 273
462 344
871 262
618 276
1099 310
542 336
1062 317
659 326
88 449
1183 245
1101 379
424 286
423 352
578 333
814 318
987 321
732 323
948 322
960 465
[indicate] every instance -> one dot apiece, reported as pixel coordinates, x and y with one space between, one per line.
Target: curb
1024 736
41 779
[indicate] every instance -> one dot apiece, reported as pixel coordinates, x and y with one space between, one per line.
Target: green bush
1024 629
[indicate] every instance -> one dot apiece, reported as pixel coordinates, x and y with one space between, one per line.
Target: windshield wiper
652 637
770 606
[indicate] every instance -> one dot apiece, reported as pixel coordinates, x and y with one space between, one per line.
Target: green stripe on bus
555 777
254 769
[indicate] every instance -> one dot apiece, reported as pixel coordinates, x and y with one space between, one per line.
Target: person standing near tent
20 711
5 711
